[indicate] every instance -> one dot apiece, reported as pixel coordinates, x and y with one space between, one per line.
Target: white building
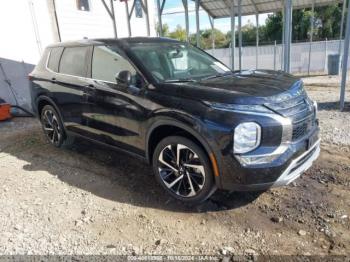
28 26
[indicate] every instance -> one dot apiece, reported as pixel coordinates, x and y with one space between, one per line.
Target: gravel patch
335 125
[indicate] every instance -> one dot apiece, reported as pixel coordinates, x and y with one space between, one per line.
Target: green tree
328 21
248 35
273 28
165 29
326 24
207 39
301 25
179 33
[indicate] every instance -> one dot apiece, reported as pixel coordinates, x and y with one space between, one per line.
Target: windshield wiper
181 80
217 76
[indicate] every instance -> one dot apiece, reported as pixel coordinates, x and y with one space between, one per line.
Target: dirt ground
90 200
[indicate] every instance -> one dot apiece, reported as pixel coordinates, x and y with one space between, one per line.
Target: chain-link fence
271 56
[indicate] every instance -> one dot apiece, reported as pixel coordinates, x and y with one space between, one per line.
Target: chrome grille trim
300 110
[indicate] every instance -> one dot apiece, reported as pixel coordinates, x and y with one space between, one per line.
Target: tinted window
73 61
54 59
107 62
177 61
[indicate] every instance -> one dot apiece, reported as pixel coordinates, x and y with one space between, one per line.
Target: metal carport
232 8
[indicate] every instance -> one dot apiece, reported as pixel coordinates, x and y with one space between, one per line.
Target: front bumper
293 171
299 165
288 167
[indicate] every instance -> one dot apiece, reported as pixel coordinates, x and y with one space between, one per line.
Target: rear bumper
294 170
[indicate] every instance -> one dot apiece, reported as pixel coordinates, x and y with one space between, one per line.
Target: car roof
111 41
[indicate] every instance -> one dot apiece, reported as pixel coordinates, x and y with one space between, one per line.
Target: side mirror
124 77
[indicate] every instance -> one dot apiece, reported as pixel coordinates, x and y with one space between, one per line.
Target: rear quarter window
73 61
54 58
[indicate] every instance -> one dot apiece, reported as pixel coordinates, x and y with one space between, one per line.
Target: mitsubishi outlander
200 125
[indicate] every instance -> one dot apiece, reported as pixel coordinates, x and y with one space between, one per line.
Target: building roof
221 8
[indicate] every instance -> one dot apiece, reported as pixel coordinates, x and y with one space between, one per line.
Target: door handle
53 80
89 91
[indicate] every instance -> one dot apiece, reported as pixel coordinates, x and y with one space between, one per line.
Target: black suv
199 124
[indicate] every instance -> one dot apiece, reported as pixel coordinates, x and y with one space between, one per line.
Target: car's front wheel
183 169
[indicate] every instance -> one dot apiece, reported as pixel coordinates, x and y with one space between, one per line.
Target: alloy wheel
181 170
51 127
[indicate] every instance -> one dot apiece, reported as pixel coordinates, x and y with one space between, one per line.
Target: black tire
193 186
53 128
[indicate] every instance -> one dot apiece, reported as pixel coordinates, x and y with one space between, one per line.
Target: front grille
299 131
295 108
301 112
302 128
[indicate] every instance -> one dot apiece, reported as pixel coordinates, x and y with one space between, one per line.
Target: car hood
247 87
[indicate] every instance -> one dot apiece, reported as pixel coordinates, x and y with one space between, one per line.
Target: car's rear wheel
183 169
53 127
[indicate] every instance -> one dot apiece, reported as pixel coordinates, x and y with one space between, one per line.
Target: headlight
246 137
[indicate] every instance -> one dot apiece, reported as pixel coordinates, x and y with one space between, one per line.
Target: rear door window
73 61
54 58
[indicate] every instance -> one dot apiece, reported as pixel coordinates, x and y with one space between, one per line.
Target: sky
223 24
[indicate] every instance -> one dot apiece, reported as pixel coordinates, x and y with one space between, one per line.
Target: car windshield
175 62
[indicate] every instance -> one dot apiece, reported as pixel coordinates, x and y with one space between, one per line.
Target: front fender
188 123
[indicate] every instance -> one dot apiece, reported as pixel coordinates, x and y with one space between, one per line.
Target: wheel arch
42 101
174 127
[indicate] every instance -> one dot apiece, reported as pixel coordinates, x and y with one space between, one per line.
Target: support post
345 61
312 22
211 20
113 19
287 34
160 25
197 23
274 55
185 4
56 20
240 34
341 33
283 40
257 42
128 17
325 55
147 18
233 34
112 15
35 25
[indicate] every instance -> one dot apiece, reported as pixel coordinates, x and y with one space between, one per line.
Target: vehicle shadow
113 175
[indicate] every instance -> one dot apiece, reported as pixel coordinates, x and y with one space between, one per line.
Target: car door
71 85
116 112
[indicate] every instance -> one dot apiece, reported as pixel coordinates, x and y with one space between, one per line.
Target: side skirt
140 157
